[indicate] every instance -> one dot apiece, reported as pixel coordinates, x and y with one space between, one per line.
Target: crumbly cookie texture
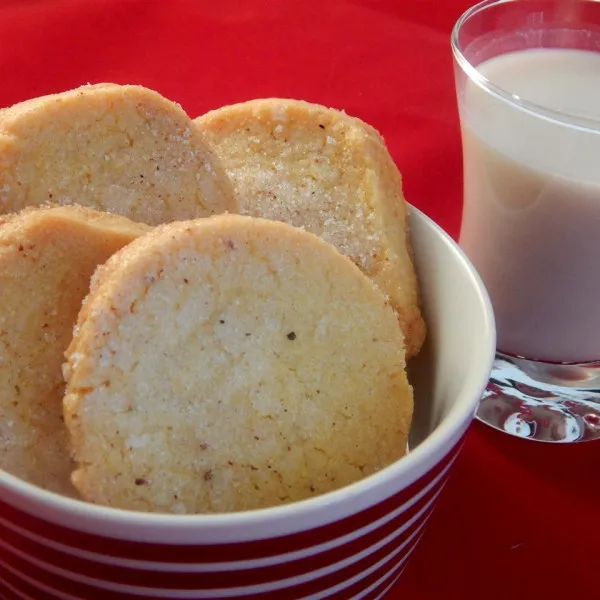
232 363
47 257
320 169
122 149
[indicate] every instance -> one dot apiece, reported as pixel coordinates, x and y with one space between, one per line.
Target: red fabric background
518 519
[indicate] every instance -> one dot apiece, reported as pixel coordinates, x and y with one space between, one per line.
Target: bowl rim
409 467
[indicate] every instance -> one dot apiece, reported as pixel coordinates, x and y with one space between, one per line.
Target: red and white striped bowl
352 543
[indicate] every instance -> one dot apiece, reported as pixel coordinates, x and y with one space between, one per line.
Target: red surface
518 519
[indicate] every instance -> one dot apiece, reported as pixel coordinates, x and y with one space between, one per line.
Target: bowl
350 543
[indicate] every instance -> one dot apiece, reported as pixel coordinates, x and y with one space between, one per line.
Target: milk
531 222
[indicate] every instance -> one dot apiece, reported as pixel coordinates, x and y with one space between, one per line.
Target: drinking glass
527 76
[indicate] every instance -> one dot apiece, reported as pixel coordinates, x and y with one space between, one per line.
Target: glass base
540 401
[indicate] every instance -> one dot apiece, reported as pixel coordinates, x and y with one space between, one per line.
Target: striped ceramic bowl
351 543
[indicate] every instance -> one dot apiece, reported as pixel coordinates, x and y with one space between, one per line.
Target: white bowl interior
461 340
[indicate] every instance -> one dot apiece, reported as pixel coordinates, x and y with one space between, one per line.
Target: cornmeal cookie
320 169
120 149
232 363
47 257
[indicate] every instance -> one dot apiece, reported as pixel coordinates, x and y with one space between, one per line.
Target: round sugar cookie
228 364
47 257
118 148
329 173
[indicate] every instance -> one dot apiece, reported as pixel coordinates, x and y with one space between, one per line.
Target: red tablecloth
518 519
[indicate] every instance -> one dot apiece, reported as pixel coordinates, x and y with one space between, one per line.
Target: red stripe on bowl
203 581
213 580
298 592
386 584
23 587
91 590
392 569
394 565
200 553
24 569
7 594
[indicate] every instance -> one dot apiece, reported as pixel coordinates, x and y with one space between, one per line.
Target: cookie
120 149
320 169
232 363
47 257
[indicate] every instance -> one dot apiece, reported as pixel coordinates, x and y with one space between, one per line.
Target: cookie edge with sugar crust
393 272
18 124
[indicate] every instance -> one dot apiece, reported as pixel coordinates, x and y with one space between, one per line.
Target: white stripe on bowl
341 586
36 584
221 592
391 573
330 591
14 590
389 587
241 564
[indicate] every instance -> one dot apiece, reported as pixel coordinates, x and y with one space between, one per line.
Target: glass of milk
528 87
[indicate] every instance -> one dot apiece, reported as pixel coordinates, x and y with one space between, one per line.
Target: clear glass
527 78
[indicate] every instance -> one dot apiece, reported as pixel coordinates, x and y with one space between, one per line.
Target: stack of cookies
204 315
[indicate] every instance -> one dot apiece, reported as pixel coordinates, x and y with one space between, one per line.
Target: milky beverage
531 221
